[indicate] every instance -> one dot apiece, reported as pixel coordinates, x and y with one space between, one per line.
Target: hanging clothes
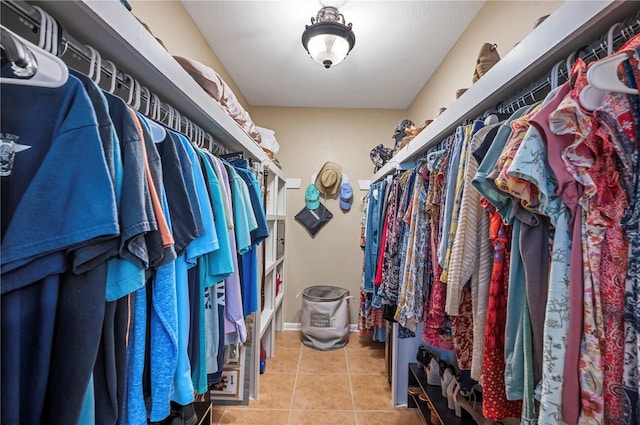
141 219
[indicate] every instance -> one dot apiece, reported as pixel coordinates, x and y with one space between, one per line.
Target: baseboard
296 327
291 326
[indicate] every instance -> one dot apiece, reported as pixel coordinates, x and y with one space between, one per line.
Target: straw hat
328 179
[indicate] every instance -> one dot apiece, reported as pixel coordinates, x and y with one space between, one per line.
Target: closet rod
31 17
593 52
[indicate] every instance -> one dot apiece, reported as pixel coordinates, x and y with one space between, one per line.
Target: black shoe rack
435 411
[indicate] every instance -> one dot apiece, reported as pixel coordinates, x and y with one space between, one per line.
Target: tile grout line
353 401
295 383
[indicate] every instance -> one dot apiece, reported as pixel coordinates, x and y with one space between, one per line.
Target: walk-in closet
342 212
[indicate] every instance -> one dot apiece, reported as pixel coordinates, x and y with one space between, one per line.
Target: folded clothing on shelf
269 143
215 86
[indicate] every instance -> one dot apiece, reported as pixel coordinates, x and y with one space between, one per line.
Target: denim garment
373 231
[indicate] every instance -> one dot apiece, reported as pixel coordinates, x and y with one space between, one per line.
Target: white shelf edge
274 168
272 266
563 32
279 299
266 316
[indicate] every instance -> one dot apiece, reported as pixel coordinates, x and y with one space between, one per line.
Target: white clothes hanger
603 77
198 140
555 75
148 103
603 74
177 120
138 97
48 32
43 27
156 106
95 66
169 115
158 132
114 76
34 66
132 88
53 27
571 59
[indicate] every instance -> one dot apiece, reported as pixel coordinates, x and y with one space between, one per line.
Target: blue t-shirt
243 218
57 199
234 325
262 231
249 260
220 264
208 241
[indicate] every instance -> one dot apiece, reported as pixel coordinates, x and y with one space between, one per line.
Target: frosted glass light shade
328 49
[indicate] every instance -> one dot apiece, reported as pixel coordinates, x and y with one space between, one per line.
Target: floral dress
495 405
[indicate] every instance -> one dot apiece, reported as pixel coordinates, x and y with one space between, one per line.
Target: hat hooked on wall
346 196
328 179
312 197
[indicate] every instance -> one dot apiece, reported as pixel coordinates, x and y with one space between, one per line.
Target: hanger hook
156 107
138 101
18 54
555 75
53 28
147 93
178 120
44 23
132 84
169 115
95 66
570 61
610 38
49 33
114 76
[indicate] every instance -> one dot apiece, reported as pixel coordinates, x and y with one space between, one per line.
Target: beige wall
500 22
308 138
169 21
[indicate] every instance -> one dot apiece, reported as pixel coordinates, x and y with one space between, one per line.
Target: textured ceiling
399 44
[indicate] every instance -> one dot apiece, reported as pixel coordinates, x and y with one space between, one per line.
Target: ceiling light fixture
328 40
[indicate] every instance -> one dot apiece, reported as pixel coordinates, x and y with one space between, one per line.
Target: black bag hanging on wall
315 219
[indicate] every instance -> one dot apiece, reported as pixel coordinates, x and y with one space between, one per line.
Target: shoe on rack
169 420
414 391
433 373
450 390
447 377
456 403
423 356
186 413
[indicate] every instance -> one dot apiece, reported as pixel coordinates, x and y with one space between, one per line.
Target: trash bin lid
324 293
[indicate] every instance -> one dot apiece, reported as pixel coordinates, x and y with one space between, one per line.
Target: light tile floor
303 386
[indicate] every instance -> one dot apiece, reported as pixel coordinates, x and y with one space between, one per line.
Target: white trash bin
325 317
